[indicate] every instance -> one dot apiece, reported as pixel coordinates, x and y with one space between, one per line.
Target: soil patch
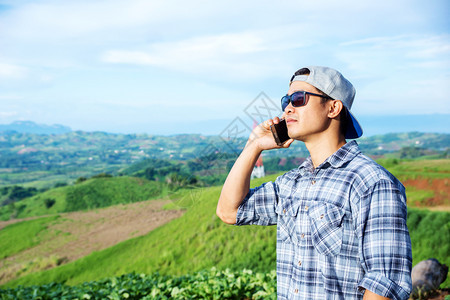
439 186
78 234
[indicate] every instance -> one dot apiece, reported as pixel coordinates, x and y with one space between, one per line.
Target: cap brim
354 130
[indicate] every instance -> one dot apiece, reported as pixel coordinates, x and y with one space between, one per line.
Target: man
341 217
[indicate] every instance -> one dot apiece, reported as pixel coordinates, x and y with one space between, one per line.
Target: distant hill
31 127
41 160
85 195
395 141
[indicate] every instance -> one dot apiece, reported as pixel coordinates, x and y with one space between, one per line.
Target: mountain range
32 127
371 124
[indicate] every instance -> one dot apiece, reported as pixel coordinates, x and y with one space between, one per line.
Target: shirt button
299 262
306 207
296 291
284 211
321 216
303 235
313 182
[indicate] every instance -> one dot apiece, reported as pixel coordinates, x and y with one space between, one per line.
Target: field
52 241
195 240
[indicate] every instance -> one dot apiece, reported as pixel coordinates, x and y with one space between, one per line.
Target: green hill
199 240
196 241
89 194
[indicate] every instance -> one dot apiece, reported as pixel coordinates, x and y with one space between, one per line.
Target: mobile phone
280 132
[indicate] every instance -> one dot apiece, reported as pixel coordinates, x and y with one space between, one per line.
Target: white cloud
398 73
402 56
197 49
105 19
8 114
68 19
10 71
257 53
412 46
244 38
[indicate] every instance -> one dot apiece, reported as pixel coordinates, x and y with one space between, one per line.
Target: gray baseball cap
332 83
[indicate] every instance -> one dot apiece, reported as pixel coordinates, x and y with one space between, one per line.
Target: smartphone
280 132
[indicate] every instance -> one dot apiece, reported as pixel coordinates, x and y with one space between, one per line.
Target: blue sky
167 67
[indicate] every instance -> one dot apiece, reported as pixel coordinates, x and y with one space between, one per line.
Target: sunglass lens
298 99
284 102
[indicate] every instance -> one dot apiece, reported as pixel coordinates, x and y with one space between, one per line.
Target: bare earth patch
78 234
440 188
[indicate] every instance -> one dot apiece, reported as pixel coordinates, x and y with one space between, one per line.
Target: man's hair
343 115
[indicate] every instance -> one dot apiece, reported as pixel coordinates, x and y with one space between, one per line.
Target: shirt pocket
287 222
326 228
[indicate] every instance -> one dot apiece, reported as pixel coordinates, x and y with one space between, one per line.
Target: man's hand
237 184
262 137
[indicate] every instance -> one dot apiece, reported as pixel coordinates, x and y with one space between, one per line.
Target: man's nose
288 109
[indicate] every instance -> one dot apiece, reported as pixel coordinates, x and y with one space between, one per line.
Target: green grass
103 192
412 169
430 236
20 236
416 197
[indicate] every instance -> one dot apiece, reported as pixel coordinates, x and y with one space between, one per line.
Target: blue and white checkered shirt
341 228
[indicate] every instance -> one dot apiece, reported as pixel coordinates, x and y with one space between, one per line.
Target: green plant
209 284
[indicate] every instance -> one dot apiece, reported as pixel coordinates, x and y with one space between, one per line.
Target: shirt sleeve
385 244
258 207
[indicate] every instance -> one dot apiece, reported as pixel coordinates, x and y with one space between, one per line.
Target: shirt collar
343 155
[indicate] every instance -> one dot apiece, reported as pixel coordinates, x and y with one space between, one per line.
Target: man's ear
334 109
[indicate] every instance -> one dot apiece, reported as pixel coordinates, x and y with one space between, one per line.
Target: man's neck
323 147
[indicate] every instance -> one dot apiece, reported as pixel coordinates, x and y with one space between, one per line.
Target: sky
169 67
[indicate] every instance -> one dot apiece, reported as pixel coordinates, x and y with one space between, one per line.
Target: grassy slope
96 192
411 169
24 235
430 235
431 170
198 240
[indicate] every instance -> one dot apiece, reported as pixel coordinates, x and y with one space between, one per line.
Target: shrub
49 202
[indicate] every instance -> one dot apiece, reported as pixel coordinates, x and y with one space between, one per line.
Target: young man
341 217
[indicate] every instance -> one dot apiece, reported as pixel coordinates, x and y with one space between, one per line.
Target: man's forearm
237 184
368 295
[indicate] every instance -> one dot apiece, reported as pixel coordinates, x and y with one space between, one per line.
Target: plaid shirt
341 228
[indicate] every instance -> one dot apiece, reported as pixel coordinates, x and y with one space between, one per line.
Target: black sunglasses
299 98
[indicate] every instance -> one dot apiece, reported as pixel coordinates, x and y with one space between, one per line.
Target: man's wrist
253 147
